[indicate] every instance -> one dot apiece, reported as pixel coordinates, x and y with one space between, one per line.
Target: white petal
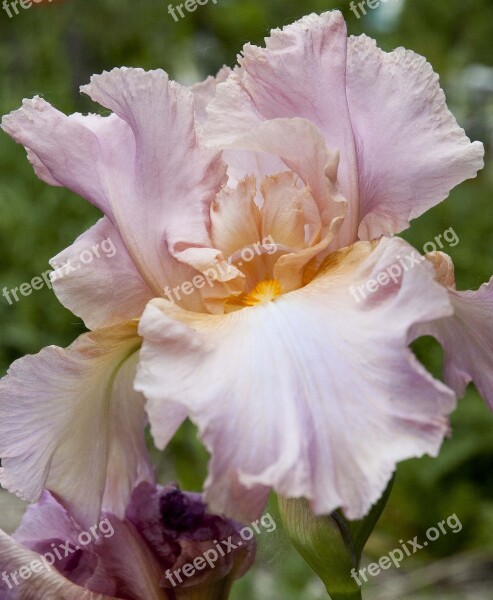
313 394
71 422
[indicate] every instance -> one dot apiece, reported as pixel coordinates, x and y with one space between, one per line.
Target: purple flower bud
166 548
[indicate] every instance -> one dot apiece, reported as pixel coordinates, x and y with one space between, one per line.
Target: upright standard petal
300 73
267 385
204 92
144 167
401 149
410 150
71 422
173 173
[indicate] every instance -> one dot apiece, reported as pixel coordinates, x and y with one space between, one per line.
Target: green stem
356 595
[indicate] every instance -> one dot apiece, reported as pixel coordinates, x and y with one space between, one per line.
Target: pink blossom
327 145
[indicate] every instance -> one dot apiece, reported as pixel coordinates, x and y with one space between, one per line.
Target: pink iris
243 211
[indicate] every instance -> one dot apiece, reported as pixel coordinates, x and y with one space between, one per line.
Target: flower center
263 292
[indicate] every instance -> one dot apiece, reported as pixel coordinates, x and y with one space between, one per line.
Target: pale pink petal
303 150
466 337
204 91
96 279
235 218
244 163
144 167
410 150
300 73
70 151
268 385
71 422
401 149
174 175
48 584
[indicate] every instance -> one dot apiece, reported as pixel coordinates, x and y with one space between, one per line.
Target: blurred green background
53 48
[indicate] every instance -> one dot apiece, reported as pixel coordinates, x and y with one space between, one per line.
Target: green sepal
331 544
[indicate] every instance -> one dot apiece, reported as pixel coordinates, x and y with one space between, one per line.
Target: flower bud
201 554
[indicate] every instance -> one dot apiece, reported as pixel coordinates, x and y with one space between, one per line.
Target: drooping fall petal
71 422
268 385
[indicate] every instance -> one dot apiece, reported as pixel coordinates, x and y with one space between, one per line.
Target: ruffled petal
300 146
268 385
466 336
300 73
401 149
96 279
71 422
410 150
175 175
204 92
235 218
144 167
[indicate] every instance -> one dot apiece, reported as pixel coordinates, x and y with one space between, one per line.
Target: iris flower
323 145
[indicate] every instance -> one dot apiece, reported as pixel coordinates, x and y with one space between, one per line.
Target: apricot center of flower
263 292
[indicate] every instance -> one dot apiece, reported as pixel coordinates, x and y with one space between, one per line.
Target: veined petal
144 167
401 150
97 271
176 175
267 385
300 73
411 151
71 422
45 585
